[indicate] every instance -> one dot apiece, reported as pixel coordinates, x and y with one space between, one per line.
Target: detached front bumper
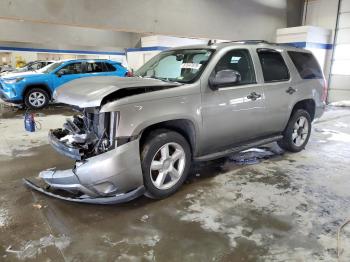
109 178
117 199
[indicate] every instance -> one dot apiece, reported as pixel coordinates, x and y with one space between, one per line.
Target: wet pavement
259 205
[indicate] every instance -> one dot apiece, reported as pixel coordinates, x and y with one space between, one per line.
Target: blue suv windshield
182 66
48 69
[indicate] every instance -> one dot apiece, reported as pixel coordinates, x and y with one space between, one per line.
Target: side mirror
61 72
223 78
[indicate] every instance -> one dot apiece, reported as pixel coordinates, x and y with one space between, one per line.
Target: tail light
129 74
325 90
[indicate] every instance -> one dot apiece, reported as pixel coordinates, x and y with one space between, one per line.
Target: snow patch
344 103
32 248
4 217
15 140
336 135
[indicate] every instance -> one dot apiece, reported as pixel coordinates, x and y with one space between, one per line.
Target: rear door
231 115
277 87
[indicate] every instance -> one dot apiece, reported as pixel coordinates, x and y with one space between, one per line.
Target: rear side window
306 65
110 68
95 67
273 66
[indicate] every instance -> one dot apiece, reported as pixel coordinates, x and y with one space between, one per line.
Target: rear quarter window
306 65
110 67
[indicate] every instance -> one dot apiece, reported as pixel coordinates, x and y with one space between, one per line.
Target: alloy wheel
37 99
167 166
300 131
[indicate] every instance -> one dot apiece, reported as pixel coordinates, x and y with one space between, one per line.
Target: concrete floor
283 207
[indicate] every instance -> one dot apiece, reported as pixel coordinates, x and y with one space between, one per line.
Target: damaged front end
104 172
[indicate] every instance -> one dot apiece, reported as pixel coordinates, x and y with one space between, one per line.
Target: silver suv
139 135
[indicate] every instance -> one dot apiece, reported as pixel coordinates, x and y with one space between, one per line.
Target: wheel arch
307 104
39 85
185 127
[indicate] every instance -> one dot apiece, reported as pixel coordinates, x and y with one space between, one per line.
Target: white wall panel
342 52
344 20
340 72
341 67
345 6
343 36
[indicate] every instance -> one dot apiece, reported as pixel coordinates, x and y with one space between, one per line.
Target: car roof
88 60
241 44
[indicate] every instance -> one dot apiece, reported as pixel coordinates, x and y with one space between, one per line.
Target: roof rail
211 42
250 41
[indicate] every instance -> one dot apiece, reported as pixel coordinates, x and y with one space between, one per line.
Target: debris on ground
38 206
144 218
253 155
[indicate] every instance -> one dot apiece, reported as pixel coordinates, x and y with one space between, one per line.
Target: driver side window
73 68
240 61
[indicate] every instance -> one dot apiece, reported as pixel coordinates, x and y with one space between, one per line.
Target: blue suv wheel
36 98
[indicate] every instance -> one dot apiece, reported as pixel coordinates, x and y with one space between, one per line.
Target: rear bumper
319 110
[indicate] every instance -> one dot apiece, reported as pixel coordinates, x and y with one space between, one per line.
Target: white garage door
339 88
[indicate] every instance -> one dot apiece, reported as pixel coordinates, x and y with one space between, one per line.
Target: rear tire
166 160
36 98
297 133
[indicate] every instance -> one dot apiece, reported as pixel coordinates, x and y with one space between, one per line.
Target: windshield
177 65
49 68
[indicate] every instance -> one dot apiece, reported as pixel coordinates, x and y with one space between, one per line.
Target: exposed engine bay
103 173
89 133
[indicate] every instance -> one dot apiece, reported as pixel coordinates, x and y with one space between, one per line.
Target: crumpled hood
20 74
89 91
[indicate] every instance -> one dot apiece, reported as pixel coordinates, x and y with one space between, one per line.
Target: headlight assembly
13 81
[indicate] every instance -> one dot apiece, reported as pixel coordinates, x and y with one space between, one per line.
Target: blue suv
35 89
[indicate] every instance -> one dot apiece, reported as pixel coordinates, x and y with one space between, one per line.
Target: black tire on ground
150 148
288 142
42 98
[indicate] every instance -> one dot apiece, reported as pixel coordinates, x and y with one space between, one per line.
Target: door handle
253 96
291 90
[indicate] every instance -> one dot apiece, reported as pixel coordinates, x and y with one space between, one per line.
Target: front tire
36 98
165 160
297 133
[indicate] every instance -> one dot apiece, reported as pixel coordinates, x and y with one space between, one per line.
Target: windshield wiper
164 79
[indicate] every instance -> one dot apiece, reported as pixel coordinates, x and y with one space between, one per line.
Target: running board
238 149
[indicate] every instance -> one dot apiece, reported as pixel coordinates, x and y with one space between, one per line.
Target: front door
232 114
67 73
